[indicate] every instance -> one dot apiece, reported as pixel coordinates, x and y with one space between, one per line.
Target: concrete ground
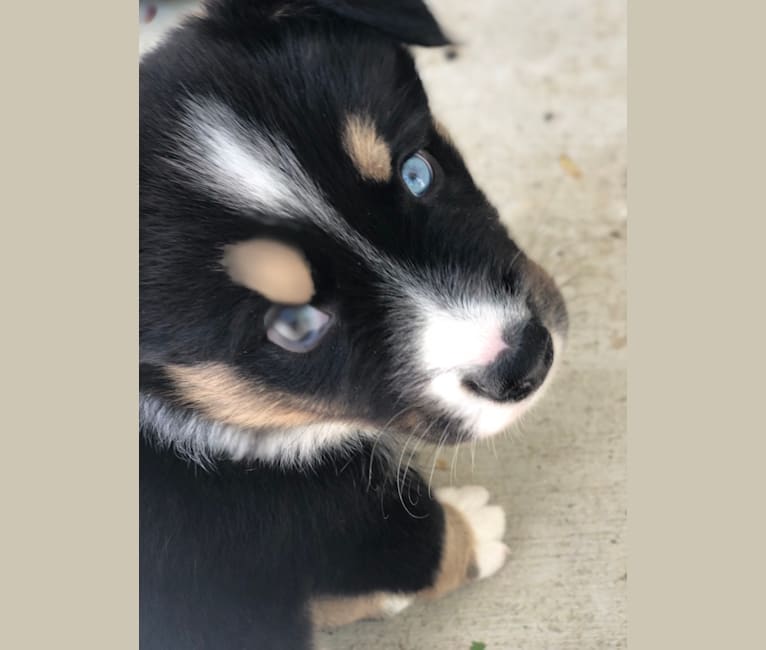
536 100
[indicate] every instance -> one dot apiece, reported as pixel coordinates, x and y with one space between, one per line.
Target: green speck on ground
478 645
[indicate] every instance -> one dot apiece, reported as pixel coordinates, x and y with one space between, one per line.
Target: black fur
231 554
230 557
408 21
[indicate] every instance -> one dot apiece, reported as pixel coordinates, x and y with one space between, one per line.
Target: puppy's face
316 260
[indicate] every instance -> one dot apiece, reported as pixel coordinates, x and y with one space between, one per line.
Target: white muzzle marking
455 341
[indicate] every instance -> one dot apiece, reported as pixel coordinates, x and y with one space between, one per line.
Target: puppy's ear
408 21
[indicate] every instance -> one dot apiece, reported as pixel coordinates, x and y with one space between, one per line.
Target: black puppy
318 274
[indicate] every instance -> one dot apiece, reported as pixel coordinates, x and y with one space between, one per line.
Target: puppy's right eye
417 174
296 329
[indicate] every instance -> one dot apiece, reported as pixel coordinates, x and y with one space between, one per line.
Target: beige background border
70 325
70 328
696 446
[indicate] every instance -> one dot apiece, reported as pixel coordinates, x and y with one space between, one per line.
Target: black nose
520 369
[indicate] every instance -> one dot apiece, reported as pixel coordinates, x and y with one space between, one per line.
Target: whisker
378 436
400 477
399 469
421 439
453 463
442 438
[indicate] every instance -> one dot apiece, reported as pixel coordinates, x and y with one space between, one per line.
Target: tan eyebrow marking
275 270
366 148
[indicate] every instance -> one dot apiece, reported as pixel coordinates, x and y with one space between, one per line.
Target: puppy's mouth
476 403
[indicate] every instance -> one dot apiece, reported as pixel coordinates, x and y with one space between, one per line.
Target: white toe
473 497
396 603
488 523
447 495
490 557
468 497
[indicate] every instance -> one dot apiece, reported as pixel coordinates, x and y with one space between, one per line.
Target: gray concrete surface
536 100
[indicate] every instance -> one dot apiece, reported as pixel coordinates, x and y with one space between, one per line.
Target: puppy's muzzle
519 369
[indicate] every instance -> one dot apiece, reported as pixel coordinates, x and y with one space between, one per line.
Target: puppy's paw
486 524
333 611
393 604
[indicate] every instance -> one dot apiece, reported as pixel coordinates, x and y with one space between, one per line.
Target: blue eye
417 174
296 329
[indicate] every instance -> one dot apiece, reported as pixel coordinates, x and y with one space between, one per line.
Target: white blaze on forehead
244 166
253 170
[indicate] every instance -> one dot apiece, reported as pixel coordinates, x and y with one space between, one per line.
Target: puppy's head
317 263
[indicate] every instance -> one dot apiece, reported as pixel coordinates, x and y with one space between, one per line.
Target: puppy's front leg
472 546
469 541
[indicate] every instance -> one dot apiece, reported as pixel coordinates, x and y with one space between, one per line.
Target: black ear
408 21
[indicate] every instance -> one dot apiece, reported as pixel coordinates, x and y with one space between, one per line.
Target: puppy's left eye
296 329
417 173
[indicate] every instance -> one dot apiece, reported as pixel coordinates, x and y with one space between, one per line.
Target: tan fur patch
334 612
271 268
222 395
458 563
367 150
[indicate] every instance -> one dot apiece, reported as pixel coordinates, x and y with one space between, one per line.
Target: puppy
319 275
